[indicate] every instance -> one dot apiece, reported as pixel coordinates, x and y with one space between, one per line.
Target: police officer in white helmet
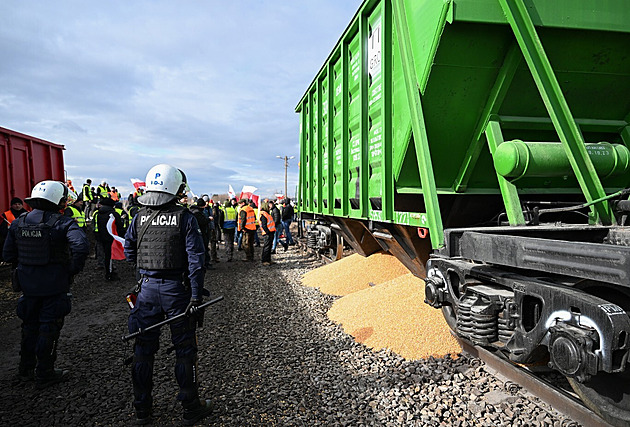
165 243
48 249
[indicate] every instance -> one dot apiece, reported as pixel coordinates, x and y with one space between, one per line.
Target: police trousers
159 299
42 320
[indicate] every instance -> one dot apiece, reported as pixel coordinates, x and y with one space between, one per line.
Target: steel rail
558 399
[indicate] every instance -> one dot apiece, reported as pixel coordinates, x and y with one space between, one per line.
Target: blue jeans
287 232
276 236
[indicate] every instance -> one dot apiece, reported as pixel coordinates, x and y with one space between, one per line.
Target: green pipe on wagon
518 159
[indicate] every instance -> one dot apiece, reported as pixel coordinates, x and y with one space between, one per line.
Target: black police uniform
49 250
166 244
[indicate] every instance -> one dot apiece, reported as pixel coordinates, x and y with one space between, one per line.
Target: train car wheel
608 395
449 315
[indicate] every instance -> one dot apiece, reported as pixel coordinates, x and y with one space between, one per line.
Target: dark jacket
287 212
195 251
51 278
202 220
102 218
219 216
275 214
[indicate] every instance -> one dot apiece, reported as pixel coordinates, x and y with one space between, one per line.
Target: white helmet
164 183
54 192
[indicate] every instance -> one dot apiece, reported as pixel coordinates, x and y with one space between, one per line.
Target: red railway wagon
25 161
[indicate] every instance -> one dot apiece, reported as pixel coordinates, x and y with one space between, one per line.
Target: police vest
35 244
160 243
271 224
78 216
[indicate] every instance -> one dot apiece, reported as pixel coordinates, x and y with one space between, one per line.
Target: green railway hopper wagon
485 143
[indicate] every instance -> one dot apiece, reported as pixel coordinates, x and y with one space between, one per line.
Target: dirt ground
98 391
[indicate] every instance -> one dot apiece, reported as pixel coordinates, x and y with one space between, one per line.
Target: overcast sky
208 86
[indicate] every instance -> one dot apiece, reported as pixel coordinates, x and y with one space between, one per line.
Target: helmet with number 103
164 183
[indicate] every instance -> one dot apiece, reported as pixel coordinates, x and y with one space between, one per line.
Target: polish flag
254 197
118 251
249 189
231 192
137 183
248 192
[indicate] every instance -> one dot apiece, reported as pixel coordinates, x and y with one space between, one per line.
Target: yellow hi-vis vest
78 216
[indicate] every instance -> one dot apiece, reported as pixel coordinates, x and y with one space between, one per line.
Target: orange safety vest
271 224
113 195
250 221
9 216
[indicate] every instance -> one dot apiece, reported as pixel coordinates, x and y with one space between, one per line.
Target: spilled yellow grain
354 273
393 316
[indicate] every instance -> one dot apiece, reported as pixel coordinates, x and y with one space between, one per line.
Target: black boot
48 378
111 277
142 381
26 374
195 411
143 416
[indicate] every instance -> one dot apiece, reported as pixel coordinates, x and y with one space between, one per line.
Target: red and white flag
118 251
248 192
137 183
249 189
231 192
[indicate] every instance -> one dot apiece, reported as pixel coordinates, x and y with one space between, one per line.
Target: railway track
559 399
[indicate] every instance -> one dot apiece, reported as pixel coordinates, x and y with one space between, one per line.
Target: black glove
191 310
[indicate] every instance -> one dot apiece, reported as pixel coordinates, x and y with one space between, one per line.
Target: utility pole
286 165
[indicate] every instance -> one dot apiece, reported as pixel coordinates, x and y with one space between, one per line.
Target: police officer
165 242
49 249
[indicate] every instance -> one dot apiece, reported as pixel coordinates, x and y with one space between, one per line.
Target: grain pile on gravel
354 273
393 316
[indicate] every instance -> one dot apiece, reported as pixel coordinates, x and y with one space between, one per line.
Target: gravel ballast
268 355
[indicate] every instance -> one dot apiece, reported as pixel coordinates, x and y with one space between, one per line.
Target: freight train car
485 143
25 161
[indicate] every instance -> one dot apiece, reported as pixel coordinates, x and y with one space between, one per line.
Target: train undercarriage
555 295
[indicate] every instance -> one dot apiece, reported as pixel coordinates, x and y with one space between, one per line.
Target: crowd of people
172 243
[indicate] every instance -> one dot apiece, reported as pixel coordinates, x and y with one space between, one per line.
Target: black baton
167 321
